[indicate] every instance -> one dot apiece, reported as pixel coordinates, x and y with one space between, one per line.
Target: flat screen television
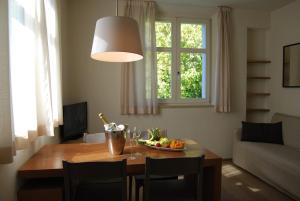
75 121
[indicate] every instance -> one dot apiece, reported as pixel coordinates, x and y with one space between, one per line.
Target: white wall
285 30
99 83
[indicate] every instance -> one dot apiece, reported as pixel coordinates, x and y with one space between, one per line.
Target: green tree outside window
190 63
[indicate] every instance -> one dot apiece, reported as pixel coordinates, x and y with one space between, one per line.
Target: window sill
184 105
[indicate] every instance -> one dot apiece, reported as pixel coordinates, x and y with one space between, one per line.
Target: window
182 61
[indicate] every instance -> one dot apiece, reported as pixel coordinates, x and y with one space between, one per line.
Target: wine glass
136 136
131 144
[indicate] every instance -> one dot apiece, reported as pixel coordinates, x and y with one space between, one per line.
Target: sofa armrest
236 140
237 135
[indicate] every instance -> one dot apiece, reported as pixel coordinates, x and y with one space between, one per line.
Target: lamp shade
117 39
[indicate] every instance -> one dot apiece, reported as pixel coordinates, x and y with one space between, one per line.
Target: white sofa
278 165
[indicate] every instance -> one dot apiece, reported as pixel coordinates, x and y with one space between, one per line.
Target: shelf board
258 110
258 94
258 77
256 61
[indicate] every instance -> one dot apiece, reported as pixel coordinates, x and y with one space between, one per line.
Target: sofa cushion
262 132
283 156
291 129
273 163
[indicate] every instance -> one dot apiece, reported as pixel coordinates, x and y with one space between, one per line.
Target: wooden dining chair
95 181
172 189
139 183
94 137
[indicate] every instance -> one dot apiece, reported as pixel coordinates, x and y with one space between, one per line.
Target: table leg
211 182
217 181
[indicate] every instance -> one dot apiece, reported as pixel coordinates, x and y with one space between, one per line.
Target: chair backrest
94 138
174 167
90 172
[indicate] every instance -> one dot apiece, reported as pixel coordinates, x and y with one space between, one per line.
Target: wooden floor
239 185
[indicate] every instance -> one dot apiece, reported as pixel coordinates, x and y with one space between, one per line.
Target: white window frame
175 50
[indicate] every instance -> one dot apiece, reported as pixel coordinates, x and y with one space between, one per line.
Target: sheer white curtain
138 93
35 74
223 60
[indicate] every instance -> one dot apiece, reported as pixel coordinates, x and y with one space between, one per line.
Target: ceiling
244 4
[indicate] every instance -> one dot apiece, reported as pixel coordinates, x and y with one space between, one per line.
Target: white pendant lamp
117 39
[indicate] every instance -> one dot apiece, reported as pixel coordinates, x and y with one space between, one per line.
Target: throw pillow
262 132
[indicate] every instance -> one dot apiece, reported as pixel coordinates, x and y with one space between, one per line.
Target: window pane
164 75
193 36
192 74
163 32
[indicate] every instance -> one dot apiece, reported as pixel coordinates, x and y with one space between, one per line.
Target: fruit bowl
164 144
165 148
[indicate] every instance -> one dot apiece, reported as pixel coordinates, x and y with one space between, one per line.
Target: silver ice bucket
115 141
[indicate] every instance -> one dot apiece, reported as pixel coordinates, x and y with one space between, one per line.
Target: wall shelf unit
252 61
258 94
257 107
258 77
258 110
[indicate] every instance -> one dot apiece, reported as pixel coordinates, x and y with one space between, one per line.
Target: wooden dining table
47 164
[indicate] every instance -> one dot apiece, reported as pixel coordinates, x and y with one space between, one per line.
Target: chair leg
137 193
130 188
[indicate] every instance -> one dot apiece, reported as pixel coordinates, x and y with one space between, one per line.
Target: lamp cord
117 8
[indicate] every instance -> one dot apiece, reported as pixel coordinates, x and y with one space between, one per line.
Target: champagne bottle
103 119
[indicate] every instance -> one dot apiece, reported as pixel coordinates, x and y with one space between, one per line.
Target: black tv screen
75 121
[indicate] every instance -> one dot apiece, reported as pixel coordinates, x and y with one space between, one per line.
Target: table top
47 162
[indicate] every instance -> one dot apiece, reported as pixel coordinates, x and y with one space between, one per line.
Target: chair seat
99 191
171 190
